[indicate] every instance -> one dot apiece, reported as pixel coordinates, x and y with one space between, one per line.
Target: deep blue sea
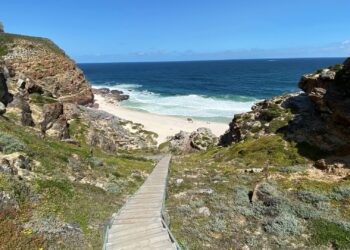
209 90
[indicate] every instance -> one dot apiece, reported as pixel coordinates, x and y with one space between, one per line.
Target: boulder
112 95
180 142
59 129
26 115
51 113
5 96
201 139
204 211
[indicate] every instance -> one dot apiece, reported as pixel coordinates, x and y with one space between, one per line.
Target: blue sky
162 30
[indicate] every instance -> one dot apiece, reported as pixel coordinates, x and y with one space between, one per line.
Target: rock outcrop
317 119
111 95
201 139
50 92
38 65
110 132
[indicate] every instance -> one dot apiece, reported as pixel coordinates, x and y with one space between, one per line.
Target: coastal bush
292 169
341 192
267 149
10 144
325 233
196 203
306 211
312 196
283 225
273 111
217 224
276 125
241 195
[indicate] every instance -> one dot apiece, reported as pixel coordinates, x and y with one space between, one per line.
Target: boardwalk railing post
172 237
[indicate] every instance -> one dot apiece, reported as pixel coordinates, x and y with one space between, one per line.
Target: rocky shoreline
112 95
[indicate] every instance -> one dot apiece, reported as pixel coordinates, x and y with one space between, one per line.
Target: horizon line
213 60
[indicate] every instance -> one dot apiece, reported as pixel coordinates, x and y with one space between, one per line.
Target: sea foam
220 108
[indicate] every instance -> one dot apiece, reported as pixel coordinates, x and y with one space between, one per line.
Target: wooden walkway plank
138 224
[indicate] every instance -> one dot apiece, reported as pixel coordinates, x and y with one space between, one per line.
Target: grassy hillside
64 193
258 194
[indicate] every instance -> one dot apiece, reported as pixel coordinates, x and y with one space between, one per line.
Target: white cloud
338 49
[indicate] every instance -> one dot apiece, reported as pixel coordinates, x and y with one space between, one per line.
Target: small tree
1 27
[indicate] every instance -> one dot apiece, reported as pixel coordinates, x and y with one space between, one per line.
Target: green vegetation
277 124
274 207
66 185
78 130
326 233
7 40
41 100
272 112
258 152
10 144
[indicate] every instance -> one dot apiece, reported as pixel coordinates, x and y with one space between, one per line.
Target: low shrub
312 196
217 224
306 211
10 144
292 169
341 192
241 195
272 112
283 225
196 203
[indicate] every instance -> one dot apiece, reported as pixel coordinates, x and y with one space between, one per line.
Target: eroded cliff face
45 89
39 62
317 119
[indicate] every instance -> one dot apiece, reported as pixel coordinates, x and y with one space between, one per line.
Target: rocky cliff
42 85
65 167
317 119
38 65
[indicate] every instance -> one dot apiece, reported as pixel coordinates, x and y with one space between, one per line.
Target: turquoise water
209 90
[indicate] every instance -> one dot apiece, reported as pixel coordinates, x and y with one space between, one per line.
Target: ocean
207 90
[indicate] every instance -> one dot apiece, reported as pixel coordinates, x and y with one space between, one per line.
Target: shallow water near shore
206 90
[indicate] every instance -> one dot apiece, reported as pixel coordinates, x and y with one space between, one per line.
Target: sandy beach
163 125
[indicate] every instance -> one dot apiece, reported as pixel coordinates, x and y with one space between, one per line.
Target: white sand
163 125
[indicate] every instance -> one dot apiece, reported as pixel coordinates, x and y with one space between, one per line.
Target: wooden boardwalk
138 224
